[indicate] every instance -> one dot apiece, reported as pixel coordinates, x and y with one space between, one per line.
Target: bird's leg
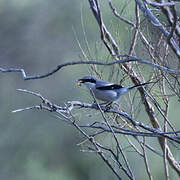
108 105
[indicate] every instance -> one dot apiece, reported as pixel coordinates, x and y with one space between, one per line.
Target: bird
106 91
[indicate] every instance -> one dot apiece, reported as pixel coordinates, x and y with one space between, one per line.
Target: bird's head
87 80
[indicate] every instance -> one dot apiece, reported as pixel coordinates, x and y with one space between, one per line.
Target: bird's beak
79 82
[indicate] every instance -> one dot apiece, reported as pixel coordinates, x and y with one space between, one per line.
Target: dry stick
102 28
146 160
81 62
143 38
134 146
147 12
118 16
98 150
155 4
67 109
173 29
54 108
171 15
135 79
133 44
165 130
131 176
154 120
124 131
106 35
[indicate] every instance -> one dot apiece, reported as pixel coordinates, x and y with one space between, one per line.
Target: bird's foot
108 106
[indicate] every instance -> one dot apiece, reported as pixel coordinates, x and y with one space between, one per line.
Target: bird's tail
140 85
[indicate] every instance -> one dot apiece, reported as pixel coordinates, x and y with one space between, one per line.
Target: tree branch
60 66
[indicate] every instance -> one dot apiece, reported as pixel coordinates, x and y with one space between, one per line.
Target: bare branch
147 12
155 4
64 114
60 66
48 105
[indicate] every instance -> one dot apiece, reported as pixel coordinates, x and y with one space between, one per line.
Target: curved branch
81 62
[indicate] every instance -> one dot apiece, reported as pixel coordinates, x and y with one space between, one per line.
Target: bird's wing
102 83
109 86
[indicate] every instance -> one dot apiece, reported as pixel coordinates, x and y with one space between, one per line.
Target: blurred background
38 35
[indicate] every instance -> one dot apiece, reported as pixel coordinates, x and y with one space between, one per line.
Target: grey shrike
104 90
